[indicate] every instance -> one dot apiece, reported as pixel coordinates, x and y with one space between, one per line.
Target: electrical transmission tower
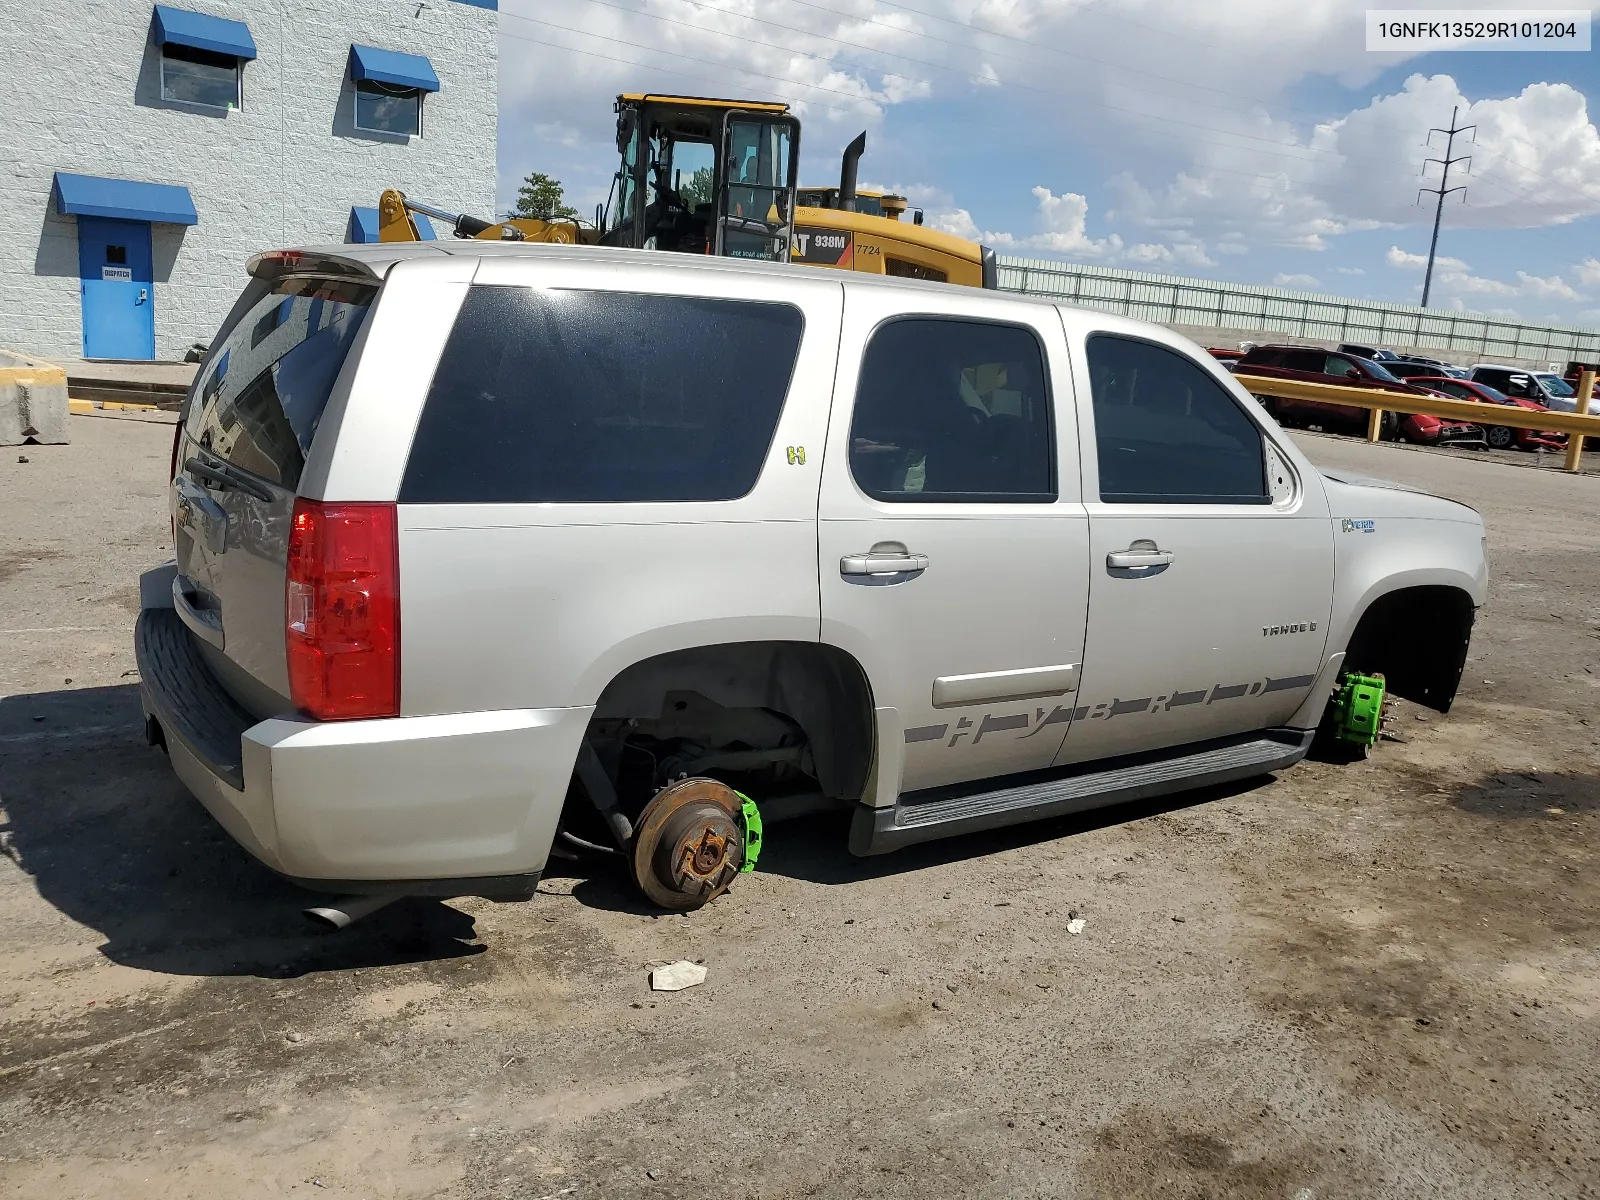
1444 188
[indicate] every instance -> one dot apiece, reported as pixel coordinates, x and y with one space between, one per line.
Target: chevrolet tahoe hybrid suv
486 552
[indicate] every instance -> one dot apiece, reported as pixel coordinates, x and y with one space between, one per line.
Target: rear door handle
884 559
1140 556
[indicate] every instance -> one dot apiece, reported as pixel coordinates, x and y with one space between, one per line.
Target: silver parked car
488 551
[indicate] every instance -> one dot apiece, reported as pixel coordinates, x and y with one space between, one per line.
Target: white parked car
488 551
1542 387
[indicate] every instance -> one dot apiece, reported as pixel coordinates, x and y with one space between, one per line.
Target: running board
942 812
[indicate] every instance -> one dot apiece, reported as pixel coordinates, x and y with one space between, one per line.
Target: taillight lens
342 610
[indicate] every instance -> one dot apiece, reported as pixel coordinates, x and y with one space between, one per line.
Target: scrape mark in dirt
1530 794
14 562
1214 1154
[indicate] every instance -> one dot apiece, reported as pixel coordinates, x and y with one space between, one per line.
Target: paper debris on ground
676 976
1075 925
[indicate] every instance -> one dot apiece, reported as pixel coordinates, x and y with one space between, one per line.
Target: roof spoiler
847 171
280 264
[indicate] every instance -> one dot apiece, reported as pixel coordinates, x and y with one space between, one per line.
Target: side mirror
1352 373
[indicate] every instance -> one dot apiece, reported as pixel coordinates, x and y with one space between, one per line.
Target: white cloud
1295 281
1536 163
1454 280
1588 272
1348 271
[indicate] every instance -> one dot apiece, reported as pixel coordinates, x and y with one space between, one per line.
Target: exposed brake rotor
688 843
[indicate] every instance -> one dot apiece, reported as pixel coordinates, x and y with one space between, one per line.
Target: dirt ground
1367 981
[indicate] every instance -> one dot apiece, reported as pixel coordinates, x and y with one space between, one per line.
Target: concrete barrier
33 400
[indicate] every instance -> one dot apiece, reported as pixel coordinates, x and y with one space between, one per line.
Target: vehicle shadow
113 840
815 848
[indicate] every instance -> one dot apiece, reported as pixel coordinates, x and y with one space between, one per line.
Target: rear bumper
1470 435
406 803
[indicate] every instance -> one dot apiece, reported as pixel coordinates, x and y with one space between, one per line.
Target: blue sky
1248 140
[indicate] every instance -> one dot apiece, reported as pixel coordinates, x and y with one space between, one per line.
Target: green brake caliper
752 832
1358 709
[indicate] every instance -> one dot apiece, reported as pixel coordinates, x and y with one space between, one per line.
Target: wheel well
1417 639
779 713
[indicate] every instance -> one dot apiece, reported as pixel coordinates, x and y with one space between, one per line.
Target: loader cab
700 176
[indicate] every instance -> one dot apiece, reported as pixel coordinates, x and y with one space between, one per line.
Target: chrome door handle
886 558
1142 555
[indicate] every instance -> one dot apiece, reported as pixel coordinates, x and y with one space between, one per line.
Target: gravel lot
1371 980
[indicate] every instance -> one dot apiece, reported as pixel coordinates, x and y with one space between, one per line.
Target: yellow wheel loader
707 176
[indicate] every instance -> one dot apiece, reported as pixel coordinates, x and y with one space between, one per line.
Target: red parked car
1348 370
1499 437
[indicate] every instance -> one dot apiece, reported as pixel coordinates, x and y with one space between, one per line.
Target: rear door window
569 396
263 393
1167 432
1303 360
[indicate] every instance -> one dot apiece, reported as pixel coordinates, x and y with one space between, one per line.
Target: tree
541 196
696 190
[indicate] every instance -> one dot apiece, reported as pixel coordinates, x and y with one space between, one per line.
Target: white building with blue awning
158 146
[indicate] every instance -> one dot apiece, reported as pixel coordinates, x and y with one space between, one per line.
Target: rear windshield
263 393
579 396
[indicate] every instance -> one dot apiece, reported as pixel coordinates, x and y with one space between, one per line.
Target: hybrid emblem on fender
1349 526
797 456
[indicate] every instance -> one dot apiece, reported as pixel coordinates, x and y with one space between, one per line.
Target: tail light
342 610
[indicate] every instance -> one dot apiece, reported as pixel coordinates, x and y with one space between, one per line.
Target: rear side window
601 397
1167 432
953 410
264 391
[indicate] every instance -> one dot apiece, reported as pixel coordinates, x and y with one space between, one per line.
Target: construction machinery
708 176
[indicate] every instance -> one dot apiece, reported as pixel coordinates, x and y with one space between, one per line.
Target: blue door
119 309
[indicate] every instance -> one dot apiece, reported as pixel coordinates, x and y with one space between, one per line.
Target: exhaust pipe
344 911
847 172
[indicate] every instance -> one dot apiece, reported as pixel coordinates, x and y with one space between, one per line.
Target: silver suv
485 552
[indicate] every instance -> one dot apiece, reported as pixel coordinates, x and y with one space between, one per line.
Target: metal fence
1173 300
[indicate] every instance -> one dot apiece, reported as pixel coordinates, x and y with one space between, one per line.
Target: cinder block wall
83 96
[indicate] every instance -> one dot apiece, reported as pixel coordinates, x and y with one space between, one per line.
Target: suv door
953 546
1211 561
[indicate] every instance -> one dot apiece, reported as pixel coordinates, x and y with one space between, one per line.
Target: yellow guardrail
1577 425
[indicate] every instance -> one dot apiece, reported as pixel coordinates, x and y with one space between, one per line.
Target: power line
1444 188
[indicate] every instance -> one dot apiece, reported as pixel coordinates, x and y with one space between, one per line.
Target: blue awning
363 227
92 196
216 34
392 67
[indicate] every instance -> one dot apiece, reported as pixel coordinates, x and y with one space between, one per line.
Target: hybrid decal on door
1106 710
